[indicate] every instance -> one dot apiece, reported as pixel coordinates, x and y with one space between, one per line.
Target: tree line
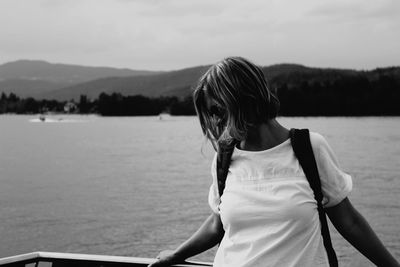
354 95
351 95
114 104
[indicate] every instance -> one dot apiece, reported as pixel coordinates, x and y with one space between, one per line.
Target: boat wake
56 120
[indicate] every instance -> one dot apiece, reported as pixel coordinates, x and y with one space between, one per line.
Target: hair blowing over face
238 90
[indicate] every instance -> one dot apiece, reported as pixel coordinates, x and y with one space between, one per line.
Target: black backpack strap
302 148
224 156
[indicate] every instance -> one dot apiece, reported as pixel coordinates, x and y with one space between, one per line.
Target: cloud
176 33
357 9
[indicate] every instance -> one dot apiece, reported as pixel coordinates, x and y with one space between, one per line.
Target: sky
175 34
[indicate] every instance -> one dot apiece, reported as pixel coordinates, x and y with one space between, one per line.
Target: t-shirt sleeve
336 184
213 195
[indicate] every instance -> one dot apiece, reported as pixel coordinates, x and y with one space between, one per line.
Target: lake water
134 186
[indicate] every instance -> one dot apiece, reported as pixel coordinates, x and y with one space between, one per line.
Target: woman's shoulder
321 148
317 140
319 144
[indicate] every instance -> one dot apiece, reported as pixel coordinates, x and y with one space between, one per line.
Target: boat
55 259
42 117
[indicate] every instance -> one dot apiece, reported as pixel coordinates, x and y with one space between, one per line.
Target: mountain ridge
172 83
24 76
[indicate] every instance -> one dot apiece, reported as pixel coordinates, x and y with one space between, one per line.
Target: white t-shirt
268 209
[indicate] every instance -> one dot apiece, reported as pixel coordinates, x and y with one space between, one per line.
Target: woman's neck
264 136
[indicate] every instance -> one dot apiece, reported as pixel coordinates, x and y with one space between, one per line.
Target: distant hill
335 92
172 83
43 80
292 75
28 88
32 77
295 73
179 83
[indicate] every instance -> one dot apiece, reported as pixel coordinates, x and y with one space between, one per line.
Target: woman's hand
207 236
165 258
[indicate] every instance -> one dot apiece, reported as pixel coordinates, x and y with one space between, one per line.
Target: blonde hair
241 98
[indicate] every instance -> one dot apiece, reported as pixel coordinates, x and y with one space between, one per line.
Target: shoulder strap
302 148
224 156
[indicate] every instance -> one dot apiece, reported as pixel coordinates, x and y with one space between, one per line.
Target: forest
114 104
346 96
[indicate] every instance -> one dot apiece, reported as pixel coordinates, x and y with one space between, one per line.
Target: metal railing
55 259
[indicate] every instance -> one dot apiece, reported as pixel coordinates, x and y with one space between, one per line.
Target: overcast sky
173 34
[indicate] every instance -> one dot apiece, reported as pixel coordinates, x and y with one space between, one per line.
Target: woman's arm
355 229
207 236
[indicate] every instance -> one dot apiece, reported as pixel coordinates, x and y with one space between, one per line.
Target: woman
267 214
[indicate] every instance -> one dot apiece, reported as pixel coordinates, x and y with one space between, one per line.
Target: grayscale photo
224 133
